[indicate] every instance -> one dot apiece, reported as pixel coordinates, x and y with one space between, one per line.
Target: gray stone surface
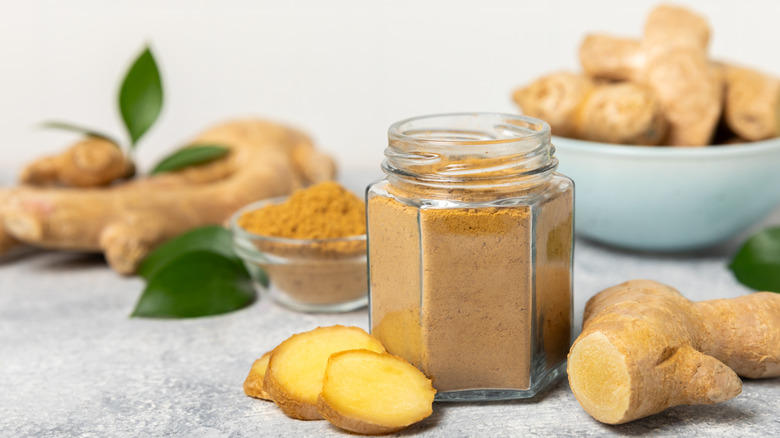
73 364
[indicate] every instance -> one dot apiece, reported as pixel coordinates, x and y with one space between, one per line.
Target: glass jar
470 254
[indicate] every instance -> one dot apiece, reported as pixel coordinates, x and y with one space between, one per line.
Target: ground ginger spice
313 248
470 258
323 211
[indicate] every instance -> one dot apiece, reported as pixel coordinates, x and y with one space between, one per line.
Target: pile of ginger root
82 199
660 90
644 348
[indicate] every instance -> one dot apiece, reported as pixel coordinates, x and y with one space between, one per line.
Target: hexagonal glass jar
470 254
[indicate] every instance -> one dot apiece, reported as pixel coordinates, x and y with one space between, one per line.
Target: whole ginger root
577 106
672 60
91 162
644 348
126 221
752 108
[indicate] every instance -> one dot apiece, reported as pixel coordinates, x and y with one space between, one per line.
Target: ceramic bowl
669 199
309 275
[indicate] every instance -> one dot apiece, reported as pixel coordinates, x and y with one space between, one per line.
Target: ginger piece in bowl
295 372
577 106
671 59
374 393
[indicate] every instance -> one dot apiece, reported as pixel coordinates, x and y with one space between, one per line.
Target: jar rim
514 127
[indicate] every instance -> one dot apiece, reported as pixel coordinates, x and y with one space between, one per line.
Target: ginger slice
374 393
253 385
294 376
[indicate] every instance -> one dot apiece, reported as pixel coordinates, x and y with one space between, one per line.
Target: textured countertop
73 364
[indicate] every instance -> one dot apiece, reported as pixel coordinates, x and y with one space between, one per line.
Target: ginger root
6 241
672 60
90 162
126 221
752 108
373 393
253 385
644 348
296 369
576 106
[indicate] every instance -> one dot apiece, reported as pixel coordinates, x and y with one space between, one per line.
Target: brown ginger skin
610 57
644 348
752 108
556 99
672 60
126 221
745 333
576 106
91 162
6 241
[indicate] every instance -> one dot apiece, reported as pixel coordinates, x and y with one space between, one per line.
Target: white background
341 70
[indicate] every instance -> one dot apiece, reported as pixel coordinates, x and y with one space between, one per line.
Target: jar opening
470 148
469 129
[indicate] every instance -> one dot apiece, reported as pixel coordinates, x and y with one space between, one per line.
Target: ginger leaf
190 156
65 126
209 238
197 283
757 264
141 96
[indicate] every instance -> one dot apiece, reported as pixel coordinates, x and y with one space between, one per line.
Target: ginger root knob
91 162
644 348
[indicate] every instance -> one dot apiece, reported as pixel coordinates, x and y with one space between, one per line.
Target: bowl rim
736 149
242 233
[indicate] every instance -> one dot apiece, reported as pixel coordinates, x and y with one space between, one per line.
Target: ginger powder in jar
470 254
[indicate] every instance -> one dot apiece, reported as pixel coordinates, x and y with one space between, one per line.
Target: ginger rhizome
672 60
644 348
126 221
577 106
374 393
691 93
752 107
90 162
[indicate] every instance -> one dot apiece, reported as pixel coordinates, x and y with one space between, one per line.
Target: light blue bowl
669 199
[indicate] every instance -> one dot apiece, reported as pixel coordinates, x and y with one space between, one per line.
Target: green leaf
757 264
190 156
141 96
211 238
65 126
197 283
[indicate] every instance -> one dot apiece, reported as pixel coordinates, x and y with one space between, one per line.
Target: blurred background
341 70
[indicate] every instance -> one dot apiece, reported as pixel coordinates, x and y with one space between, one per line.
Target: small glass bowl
308 275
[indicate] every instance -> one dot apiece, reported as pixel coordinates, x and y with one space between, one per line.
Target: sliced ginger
374 393
296 369
253 385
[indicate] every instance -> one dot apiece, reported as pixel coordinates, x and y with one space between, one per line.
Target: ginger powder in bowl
307 251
